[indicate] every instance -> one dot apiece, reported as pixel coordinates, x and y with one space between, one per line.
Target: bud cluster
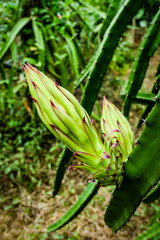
69 122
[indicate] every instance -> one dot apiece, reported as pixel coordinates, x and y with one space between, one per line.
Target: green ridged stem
104 54
96 69
146 50
111 12
145 98
67 154
141 173
155 90
82 201
153 194
105 51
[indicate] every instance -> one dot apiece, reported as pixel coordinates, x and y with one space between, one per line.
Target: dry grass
30 218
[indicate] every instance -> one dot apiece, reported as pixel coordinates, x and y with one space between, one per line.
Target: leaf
14 32
72 54
39 42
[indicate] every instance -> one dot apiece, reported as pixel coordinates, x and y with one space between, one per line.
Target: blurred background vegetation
59 38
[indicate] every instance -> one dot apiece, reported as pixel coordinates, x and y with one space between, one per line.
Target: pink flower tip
118 122
106 155
52 126
75 154
70 168
33 84
83 120
52 104
109 167
56 83
93 180
33 99
23 67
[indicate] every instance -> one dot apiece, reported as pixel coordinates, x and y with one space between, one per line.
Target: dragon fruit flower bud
69 122
63 115
116 130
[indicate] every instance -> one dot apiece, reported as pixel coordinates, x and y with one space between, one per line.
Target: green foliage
146 50
61 170
60 37
22 140
112 11
95 68
105 52
51 37
155 90
153 230
141 174
122 56
153 195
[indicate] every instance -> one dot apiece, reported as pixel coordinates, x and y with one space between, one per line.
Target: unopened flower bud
116 130
69 122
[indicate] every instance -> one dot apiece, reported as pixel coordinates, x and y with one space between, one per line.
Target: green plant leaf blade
40 43
15 30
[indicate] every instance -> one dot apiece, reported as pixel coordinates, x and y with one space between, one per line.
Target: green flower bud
62 114
117 131
69 122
